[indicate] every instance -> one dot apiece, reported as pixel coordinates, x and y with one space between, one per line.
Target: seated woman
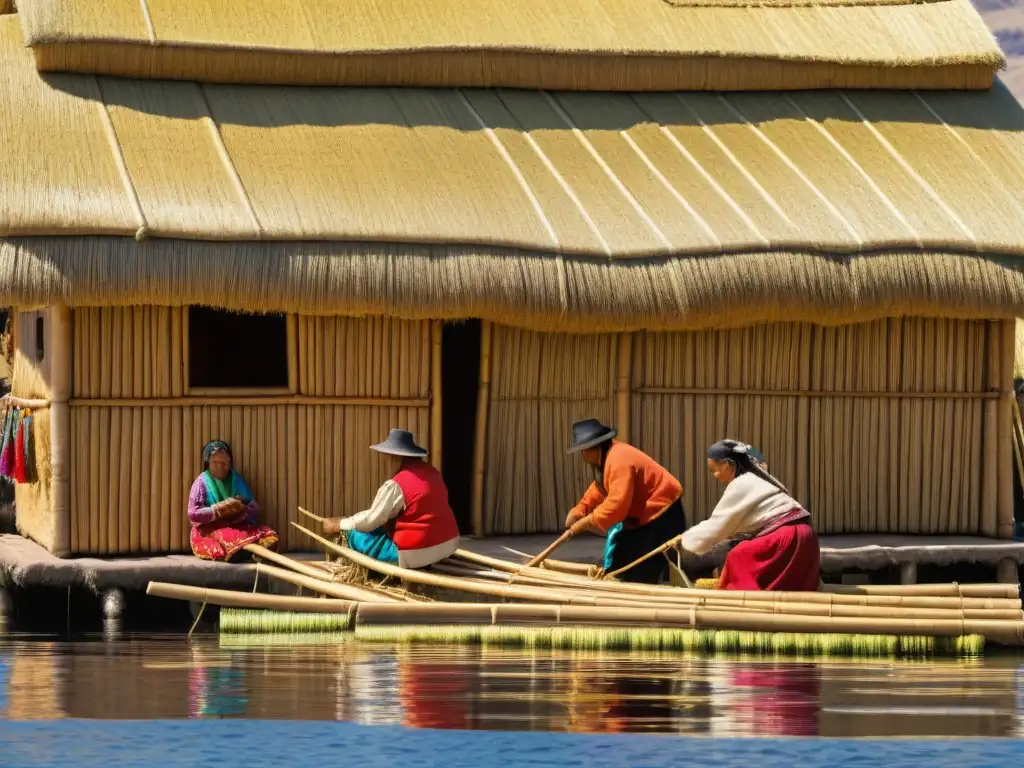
779 549
410 523
222 510
634 500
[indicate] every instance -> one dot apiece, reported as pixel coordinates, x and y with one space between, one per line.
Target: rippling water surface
473 688
173 702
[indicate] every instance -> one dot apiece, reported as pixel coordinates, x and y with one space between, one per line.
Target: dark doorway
460 381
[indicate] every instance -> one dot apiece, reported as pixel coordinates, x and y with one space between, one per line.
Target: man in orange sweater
634 501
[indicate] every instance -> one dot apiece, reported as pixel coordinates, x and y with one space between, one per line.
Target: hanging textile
29 448
7 450
19 453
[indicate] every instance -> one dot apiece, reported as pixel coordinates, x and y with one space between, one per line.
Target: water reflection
506 689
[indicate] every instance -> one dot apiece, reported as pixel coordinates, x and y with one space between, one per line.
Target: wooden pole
989 522
623 396
435 394
654 552
231 599
536 561
483 407
1005 436
60 351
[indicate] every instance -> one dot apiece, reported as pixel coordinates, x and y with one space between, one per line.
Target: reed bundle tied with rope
249 628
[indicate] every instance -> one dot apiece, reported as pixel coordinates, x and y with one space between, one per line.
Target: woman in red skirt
778 548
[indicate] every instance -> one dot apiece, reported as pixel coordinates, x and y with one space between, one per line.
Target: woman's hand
572 518
332 527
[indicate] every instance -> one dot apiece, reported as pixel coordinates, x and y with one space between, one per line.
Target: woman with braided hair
778 549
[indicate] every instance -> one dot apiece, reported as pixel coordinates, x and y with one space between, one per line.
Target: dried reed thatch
575 44
830 408
529 196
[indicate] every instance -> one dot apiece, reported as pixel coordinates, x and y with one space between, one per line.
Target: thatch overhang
631 45
547 210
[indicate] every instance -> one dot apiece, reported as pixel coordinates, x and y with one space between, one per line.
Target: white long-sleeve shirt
388 504
748 505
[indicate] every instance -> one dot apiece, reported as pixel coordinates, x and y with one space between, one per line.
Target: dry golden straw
719 45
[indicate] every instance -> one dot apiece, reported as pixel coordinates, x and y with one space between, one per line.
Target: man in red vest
410 523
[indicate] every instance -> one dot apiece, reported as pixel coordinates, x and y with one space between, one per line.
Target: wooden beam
60 351
483 407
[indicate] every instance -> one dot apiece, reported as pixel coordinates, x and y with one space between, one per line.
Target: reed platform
25 564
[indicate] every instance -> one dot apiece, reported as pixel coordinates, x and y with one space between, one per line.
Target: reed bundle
263 627
247 622
691 640
283 639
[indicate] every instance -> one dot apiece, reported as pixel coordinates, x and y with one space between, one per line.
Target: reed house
796 224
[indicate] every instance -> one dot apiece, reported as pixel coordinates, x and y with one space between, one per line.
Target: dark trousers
629 544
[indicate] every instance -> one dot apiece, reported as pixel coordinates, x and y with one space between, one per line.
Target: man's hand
582 525
572 517
332 527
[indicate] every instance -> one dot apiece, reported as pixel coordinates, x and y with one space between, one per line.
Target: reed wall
137 432
893 426
540 384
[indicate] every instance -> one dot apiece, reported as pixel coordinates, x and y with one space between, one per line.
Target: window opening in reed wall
460 369
230 349
40 343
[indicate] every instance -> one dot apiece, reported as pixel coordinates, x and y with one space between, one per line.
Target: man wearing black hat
634 501
410 523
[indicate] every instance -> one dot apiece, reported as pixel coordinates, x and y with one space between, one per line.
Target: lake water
85 702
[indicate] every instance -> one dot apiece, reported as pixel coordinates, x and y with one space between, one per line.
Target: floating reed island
558 606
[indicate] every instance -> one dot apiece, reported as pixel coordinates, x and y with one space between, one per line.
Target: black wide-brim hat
400 443
588 433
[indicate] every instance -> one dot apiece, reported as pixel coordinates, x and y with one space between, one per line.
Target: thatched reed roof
589 211
605 45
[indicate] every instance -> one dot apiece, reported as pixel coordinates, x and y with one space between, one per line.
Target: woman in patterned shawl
222 509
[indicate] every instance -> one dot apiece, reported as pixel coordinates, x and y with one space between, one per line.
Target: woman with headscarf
409 523
634 501
222 509
778 549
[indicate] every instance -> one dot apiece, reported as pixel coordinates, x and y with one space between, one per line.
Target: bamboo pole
1005 524
231 599
541 595
435 394
991 465
789 607
551 548
323 586
623 396
653 553
819 394
292 331
953 589
60 353
354 592
908 600
254 400
480 443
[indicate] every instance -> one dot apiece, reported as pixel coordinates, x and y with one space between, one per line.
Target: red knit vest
427 520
